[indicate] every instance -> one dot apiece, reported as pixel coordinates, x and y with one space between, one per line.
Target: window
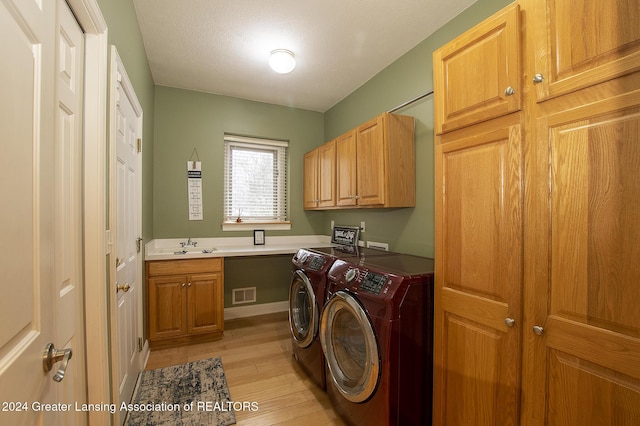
255 180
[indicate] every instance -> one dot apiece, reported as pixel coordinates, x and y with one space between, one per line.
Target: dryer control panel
373 282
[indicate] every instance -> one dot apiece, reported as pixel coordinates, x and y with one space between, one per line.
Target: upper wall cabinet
320 177
580 43
478 74
375 165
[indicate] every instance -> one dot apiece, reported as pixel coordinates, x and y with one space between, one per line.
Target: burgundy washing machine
307 293
376 332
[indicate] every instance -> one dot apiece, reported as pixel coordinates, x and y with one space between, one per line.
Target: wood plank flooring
259 366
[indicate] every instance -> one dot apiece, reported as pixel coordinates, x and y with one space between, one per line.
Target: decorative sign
194 188
345 235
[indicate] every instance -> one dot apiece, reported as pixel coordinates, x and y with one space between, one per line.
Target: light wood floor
259 366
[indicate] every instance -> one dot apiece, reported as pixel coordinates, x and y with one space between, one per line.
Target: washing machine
307 294
376 333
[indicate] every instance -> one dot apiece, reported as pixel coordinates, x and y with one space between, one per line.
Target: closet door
478 274
583 329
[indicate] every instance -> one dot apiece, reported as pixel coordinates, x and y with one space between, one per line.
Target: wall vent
243 295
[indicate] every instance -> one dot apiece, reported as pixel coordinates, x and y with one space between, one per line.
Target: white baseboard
253 310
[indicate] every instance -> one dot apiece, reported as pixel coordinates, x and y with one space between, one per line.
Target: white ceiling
223 46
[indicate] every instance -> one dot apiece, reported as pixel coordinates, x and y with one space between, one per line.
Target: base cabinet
185 301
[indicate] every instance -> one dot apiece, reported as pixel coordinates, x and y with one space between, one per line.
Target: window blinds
255 180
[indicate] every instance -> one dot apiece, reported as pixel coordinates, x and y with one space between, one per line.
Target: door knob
124 287
509 322
537 330
51 356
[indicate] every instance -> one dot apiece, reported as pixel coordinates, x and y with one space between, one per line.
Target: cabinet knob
183 284
537 330
509 91
189 284
509 322
538 78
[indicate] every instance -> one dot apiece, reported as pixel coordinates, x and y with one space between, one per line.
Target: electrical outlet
362 227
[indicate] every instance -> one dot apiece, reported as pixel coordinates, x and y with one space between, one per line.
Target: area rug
189 394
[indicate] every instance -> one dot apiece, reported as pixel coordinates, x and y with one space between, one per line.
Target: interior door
41 122
68 296
127 133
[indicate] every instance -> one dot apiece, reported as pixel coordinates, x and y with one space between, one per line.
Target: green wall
124 33
187 120
406 230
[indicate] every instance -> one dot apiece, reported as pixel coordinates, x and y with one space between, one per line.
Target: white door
40 222
68 225
127 133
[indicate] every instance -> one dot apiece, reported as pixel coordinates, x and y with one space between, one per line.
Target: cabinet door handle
509 91
509 322
183 284
189 284
537 330
538 78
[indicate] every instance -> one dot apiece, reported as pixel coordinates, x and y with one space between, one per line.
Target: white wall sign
194 186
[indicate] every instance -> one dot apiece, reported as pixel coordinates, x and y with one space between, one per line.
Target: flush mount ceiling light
282 61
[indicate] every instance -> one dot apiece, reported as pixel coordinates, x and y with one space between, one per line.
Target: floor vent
243 295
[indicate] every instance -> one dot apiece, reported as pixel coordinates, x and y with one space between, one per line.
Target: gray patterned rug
189 394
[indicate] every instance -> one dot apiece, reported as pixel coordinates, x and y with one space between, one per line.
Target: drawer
183 266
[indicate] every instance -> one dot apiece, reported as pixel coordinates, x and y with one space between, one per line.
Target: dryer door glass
350 347
303 311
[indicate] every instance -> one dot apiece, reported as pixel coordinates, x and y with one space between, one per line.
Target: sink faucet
189 243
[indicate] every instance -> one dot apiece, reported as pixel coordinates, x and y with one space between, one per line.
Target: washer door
303 310
350 347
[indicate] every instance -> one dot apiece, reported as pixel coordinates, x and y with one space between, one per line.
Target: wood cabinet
320 177
185 301
479 73
375 164
537 229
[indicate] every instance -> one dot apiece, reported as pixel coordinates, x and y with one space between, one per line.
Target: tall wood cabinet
185 301
538 219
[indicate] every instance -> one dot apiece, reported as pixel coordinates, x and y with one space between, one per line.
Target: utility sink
186 250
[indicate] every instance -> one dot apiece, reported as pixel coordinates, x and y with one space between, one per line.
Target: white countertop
165 249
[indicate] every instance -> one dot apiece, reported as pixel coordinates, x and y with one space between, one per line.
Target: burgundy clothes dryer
307 294
376 333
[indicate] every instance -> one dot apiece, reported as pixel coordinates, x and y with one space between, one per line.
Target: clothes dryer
307 295
376 335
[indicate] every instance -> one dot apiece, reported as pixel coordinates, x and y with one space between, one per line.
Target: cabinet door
478 277
166 304
473 72
205 305
370 150
346 169
585 271
327 175
310 188
579 43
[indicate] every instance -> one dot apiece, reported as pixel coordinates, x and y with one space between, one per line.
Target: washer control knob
350 275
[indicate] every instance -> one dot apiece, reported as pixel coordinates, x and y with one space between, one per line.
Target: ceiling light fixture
282 61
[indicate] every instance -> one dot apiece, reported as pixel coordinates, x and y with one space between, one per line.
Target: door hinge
139 145
139 344
138 244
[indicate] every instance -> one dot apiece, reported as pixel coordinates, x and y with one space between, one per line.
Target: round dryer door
303 310
350 347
